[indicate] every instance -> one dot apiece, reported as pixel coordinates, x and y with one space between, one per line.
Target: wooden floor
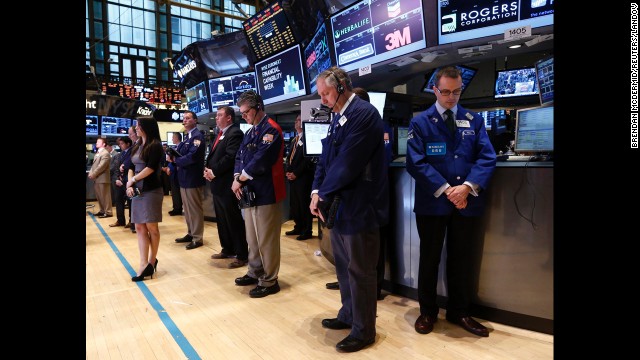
192 309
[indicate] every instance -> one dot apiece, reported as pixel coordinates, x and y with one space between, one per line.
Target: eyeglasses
455 92
245 112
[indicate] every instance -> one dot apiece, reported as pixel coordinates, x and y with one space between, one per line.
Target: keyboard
519 157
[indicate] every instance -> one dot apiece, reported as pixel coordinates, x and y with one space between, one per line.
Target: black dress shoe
105 216
293 232
469 324
333 286
175 212
304 237
262 291
335 324
186 238
193 245
246 280
351 344
99 213
424 324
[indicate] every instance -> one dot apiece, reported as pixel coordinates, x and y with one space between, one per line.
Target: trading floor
192 309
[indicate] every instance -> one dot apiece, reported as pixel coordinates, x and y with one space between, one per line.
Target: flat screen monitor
534 130
515 83
92 125
377 99
544 73
269 31
401 140
281 77
314 132
115 126
317 56
197 100
371 31
225 91
460 20
494 116
170 138
467 74
244 127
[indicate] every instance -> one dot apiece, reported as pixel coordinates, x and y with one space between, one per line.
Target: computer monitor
314 132
401 147
545 76
515 83
114 126
92 125
534 130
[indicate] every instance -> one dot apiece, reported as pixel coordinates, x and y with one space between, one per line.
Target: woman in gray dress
145 188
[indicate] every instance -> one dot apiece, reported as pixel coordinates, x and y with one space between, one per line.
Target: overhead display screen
317 56
269 31
115 126
91 124
372 31
281 77
227 90
461 20
197 100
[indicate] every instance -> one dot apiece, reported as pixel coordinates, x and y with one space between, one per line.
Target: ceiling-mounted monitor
281 77
317 56
461 20
197 100
515 83
371 31
225 91
545 76
269 31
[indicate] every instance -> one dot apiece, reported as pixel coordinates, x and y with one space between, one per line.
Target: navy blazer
191 163
435 157
353 165
221 160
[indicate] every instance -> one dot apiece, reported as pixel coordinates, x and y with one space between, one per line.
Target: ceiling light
515 46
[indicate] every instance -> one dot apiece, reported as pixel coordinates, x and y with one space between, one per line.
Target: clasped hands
458 195
208 174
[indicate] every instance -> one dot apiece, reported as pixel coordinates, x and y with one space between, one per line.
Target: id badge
438 148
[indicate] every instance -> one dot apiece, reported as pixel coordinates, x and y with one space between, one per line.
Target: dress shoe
304 237
193 245
116 224
105 216
99 213
246 280
133 230
470 325
424 324
221 256
186 238
335 324
148 271
175 212
128 226
333 286
293 232
351 344
237 264
262 291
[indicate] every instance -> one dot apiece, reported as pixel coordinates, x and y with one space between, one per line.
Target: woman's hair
150 127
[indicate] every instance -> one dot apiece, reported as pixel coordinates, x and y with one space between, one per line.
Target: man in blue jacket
190 169
353 168
450 157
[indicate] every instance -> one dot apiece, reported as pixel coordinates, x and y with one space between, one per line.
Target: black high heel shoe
155 266
148 271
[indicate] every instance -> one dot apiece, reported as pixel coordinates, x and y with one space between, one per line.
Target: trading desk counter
514 257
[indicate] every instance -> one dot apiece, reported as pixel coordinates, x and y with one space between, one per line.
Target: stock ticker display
156 94
269 31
